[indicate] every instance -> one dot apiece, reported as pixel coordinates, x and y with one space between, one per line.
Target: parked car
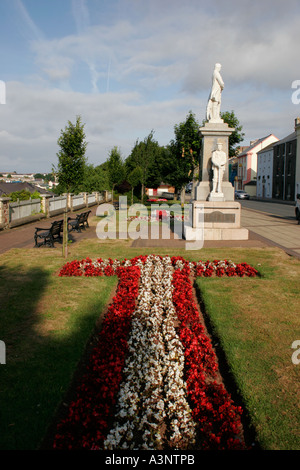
240 194
167 195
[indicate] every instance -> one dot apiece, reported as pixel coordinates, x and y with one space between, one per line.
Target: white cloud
145 67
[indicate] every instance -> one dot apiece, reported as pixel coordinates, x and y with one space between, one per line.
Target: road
286 211
271 222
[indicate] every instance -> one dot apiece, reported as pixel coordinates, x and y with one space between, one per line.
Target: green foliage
146 155
135 177
115 168
131 198
36 195
237 136
24 195
46 178
71 157
95 179
182 155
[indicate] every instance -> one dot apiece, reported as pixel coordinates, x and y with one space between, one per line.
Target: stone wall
23 212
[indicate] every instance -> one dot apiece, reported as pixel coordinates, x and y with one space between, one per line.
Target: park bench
79 222
49 235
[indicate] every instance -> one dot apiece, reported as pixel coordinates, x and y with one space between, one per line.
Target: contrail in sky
34 30
82 20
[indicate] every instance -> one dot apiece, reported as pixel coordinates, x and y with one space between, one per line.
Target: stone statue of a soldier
214 102
218 160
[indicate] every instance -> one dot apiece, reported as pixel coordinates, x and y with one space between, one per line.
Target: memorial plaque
219 217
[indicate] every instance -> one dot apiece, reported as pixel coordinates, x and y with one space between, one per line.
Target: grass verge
255 322
47 321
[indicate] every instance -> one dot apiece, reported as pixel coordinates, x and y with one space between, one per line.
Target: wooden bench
79 222
49 235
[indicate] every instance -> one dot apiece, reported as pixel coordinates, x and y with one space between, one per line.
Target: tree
183 153
38 176
95 179
134 178
71 165
116 170
237 136
24 195
145 155
71 157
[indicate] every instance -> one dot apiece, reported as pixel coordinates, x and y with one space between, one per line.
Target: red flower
88 415
217 417
91 411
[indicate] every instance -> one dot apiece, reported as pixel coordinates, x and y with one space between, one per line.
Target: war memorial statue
215 215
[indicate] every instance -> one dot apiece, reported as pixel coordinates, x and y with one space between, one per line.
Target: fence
19 212
13 214
56 205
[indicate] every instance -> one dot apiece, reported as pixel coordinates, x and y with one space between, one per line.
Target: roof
254 144
289 138
269 147
7 188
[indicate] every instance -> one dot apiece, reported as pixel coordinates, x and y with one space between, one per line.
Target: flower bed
151 380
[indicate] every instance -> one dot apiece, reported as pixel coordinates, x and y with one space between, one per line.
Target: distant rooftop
7 188
254 143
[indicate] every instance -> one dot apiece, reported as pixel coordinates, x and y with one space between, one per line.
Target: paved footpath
23 236
264 230
273 229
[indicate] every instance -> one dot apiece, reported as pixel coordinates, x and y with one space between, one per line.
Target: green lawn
47 321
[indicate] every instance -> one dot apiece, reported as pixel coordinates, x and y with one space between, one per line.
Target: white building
264 181
247 160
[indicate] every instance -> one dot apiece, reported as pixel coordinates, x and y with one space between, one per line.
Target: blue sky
130 66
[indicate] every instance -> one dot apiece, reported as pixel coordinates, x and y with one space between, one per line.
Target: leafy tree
155 174
71 157
49 177
116 170
134 178
145 155
95 178
182 154
237 136
71 165
24 195
38 176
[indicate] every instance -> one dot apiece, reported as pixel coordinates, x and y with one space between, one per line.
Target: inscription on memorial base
213 220
219 217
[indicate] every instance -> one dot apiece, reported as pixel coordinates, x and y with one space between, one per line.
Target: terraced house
247 160
284 168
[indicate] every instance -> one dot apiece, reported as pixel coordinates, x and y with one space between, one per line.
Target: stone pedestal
213 133
216 220
215 215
